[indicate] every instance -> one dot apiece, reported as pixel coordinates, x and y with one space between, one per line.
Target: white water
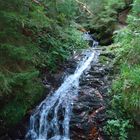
51 119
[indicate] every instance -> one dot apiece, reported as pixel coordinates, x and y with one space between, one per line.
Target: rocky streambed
89 112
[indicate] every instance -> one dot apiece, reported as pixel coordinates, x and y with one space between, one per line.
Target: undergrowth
125 105
34 36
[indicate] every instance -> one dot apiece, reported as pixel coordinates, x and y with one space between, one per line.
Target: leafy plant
34 36
125 104
117 129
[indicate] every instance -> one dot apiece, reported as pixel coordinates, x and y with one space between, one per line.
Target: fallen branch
39 3
95 112
84 6
36 1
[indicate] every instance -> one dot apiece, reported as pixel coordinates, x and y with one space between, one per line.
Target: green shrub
117 129
33 37
125 104
128 85
128 56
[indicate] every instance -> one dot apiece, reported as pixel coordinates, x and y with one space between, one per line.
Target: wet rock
89 109
89 115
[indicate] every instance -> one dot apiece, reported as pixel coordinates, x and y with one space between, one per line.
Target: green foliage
66 8
125 104
58 47
117 4
128 55
5 84
119 121
128 85
63 11
32 37
117 129
104 19
18 105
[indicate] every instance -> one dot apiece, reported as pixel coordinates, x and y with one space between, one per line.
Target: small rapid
51 119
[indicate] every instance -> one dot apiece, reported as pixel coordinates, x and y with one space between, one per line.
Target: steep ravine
89 112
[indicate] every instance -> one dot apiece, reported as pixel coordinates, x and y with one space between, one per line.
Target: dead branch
95 112
36 1
84 6
39 3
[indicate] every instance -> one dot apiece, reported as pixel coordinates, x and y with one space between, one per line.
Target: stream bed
77 109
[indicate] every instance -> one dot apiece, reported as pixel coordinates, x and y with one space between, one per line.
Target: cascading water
51 119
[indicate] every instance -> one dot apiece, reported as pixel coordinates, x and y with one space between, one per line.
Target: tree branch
84 6
39 3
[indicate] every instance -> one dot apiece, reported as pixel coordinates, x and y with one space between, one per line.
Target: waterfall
51 119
